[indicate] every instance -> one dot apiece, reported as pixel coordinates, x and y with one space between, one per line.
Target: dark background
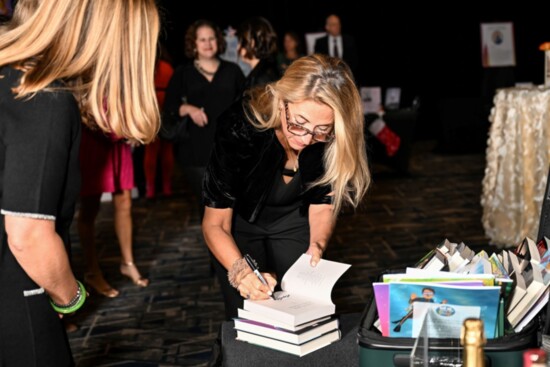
431 52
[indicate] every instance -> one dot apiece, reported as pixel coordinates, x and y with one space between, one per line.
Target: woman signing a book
286 159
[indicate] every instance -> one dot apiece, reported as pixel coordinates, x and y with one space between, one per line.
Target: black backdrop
429 51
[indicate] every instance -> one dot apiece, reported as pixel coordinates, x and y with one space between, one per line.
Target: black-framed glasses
318 134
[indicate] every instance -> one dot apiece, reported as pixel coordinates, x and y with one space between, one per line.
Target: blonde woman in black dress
69 62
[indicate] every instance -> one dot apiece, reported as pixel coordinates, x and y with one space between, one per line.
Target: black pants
31 333
274 246
194 176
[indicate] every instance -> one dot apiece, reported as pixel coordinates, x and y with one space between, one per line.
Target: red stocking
386 136
390 139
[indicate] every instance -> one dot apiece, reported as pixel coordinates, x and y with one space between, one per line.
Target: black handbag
174 128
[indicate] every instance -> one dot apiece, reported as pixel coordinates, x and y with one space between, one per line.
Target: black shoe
397 328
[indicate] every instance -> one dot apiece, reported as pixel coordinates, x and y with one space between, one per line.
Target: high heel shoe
100 285
131 271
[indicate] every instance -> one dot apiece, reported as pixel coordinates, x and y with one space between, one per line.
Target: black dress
190 86
39 144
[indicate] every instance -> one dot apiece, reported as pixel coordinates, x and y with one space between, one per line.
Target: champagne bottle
472 339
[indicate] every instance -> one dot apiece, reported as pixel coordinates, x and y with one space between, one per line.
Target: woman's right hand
250 287
197 114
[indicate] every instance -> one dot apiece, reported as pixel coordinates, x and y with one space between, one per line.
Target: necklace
202 70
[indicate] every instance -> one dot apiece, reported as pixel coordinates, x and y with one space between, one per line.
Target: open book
536 280
306 293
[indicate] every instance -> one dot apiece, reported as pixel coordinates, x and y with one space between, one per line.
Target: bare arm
41 253
216 227
321 226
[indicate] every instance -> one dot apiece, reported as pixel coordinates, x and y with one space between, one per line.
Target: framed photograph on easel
497 44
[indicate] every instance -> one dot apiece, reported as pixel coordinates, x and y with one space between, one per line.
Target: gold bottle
472 339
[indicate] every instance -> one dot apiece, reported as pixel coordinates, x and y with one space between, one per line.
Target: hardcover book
296 349
306 293
299 337
244 314
404 296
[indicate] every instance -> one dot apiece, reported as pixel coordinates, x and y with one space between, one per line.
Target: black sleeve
239 81
173 127
232 146
352 56
317 47
38 142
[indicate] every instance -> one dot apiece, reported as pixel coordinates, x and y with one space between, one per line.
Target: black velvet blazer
244 164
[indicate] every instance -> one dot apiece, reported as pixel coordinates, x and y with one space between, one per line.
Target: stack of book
507 290
301 318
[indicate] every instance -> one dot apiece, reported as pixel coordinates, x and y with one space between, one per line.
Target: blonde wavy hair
22 12
104 53
327 80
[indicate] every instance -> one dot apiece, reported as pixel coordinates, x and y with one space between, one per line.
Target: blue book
484 300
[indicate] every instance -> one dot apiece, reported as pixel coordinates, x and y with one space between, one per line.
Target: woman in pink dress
106 166
159 149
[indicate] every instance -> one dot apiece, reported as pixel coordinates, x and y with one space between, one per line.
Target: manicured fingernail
313 263
270 293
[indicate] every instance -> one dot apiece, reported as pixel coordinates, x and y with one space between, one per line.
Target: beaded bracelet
77 301
238 266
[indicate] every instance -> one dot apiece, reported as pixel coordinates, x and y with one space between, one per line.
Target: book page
315 283
291 309
442 320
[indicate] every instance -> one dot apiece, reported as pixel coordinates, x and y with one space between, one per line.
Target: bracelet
238 266
77 301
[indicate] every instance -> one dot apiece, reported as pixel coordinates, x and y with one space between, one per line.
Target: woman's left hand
316 251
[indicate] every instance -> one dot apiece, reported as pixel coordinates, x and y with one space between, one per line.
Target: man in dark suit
337 44
341 45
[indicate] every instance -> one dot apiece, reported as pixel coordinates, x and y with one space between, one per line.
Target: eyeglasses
318 133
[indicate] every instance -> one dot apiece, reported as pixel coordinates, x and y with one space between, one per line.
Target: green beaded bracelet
75 304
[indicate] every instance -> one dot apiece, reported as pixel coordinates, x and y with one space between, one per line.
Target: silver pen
252 263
